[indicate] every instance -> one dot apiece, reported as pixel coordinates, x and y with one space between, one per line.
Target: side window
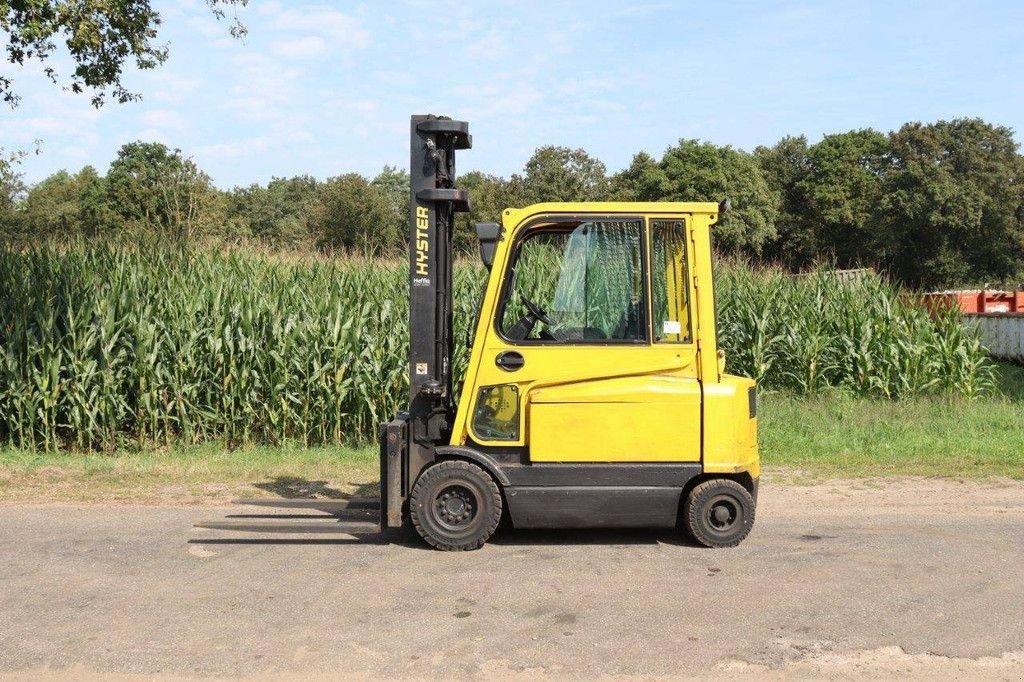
669 288
497 413
577 283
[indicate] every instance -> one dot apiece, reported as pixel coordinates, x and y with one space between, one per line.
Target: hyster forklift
595 394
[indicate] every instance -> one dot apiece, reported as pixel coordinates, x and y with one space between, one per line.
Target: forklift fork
354 516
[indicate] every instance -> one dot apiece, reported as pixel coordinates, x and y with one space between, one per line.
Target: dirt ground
884 578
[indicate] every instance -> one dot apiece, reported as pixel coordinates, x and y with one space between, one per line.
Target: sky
326 88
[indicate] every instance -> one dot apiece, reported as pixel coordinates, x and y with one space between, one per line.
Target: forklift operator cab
593 359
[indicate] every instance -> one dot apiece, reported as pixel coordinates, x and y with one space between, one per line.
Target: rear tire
455 506
719 513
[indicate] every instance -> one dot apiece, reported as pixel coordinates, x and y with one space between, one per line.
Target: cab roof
514 216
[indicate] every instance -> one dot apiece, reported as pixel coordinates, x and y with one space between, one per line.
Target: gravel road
877 578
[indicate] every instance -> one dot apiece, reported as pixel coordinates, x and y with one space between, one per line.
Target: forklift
595 395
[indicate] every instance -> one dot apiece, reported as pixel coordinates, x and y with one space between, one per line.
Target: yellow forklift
595 394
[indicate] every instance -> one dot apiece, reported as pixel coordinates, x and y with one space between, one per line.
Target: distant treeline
932 204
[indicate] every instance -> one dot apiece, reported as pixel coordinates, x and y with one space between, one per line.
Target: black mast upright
433 204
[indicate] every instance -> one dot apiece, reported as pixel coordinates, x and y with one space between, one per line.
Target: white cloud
263 90
170 87
341 30
311 32
163 119
307 47
233 150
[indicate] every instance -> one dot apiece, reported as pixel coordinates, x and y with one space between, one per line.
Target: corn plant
105 346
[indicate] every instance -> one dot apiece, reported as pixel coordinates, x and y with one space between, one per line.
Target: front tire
455 506
719 513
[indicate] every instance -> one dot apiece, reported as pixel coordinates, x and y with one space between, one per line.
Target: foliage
489 196
816 331
564 174
695 171
934 205
830 195
785 165
349 213
105 346
100 37
12 187
154 189
276 214
954 205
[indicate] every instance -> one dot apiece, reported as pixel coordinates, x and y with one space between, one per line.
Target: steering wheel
538 312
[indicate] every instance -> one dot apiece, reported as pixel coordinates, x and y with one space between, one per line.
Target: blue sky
327 87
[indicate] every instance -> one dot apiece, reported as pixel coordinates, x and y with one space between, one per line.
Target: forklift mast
410 439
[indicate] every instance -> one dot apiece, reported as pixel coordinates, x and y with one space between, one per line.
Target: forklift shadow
593 536
401 537
407 538
299 498
295 487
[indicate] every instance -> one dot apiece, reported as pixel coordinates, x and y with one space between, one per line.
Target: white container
1002 334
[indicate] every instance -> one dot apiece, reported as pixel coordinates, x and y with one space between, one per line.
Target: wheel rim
723 514
455 507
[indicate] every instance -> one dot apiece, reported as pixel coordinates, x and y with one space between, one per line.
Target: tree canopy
936 204
100 37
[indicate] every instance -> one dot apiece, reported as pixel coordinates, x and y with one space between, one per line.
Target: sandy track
873 578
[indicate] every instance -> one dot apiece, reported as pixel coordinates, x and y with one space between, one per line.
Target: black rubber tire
719 513
471 492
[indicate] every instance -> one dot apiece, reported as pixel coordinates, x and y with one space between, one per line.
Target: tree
785 165
94 214
695 171
350 213
643 180
65 205
156 189
563 174
52 207
12 188
276 214
393 186
188 201
953 205
841 191
489 195
100 37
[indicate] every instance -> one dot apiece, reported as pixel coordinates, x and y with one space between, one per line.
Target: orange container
977 301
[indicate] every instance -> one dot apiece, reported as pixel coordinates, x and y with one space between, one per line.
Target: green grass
191 474
835 435
831 435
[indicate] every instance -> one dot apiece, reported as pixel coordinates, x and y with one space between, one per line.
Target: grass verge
834 435
207 473
805 439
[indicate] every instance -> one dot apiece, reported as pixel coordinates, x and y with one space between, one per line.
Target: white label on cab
671 327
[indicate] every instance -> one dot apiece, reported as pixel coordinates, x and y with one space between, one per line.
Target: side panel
643 419
593 507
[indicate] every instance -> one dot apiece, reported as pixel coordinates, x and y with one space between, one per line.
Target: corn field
105 346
